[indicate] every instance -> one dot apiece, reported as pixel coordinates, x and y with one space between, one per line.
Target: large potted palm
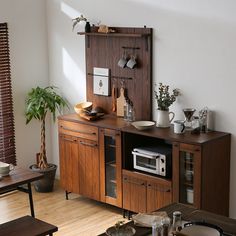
39 102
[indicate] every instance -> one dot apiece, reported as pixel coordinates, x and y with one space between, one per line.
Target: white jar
189 195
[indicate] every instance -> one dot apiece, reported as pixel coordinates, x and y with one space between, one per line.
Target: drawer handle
70 140
88 144
78 131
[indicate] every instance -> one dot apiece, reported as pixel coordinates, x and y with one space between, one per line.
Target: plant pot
164 119
45 184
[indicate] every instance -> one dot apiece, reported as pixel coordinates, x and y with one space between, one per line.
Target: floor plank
76 216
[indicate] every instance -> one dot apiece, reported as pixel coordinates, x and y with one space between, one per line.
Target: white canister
189 195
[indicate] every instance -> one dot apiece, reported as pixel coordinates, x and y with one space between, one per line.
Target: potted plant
39 102
80 19
164 101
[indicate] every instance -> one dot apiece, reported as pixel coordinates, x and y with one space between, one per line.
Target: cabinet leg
129 215
124 213
67 193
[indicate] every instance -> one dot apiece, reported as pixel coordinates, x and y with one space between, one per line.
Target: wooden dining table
20 179
189 213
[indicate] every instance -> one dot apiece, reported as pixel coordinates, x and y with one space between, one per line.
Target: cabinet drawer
78 130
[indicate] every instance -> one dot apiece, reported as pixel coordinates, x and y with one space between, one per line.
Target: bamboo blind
7 131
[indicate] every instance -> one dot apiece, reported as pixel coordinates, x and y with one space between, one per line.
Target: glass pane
186 177
110 166
146 162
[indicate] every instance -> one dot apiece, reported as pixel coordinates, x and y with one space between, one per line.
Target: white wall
194 50
29 65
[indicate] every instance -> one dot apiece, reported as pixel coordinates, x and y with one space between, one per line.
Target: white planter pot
164 118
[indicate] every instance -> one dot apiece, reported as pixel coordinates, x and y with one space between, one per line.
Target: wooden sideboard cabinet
96 161
79 159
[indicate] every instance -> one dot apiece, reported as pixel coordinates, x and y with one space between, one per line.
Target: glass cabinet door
187 174
186 177
110 166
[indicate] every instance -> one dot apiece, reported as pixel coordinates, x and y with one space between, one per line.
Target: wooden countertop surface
113 122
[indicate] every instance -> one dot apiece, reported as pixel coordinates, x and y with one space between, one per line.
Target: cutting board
120 101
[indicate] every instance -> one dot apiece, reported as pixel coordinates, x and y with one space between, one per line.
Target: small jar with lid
177 221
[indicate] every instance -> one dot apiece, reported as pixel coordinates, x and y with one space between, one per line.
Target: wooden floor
77 216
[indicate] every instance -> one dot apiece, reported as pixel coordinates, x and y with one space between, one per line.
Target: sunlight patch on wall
69 11
73 74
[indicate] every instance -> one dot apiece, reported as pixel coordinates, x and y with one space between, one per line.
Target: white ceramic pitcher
164 118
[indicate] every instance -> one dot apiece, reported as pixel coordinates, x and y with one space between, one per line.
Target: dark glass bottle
87 27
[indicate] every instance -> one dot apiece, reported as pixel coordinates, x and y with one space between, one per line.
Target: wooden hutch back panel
105 50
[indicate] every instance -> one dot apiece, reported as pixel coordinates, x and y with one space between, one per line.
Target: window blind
7 131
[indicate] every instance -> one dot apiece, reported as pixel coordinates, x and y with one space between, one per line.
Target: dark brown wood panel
27 226
216 176
105 51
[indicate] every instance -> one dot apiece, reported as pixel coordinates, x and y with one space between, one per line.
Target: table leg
31 200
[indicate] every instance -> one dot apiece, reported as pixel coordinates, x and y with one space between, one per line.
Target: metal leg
67 193
129 215
124 211
31 200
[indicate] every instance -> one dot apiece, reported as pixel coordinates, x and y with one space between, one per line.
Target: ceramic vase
164 118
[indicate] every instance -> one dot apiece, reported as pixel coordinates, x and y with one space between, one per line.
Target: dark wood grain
191 214
17 177
216 172
105 50
27 226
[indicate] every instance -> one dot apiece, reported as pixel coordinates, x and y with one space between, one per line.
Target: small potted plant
39 102
164 100
80 19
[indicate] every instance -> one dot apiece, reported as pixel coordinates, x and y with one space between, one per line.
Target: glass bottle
126 107
165 223
130 112
177 221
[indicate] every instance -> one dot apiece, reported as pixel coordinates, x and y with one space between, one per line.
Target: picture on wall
101 81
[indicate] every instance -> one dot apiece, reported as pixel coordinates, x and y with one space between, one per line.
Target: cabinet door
89 169
134 194
110 164
187 174
159 194
69 163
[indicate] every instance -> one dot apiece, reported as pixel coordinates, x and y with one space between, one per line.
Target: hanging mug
164 118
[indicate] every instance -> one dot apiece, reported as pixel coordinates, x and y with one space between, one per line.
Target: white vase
164 118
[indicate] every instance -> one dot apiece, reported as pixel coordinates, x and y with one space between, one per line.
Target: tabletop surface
17 177
192 214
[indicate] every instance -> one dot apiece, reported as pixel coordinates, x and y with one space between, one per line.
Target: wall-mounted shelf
134 35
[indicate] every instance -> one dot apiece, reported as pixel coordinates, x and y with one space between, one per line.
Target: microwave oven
156 160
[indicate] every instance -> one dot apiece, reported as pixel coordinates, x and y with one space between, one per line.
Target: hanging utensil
113 98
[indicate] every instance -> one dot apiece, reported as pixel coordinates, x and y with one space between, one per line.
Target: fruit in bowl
83 107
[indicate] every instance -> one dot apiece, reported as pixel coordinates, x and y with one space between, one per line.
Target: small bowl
83 107
143 125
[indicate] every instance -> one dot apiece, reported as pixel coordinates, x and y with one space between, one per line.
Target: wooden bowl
83 107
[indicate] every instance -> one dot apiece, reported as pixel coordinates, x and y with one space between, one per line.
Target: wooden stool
27 226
